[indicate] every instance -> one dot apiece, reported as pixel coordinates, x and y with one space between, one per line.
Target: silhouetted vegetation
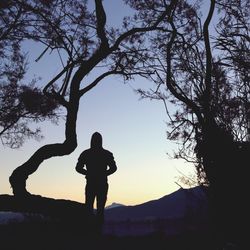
83 41
200 71
21 102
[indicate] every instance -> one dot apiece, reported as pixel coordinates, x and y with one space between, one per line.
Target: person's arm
80 165
111 164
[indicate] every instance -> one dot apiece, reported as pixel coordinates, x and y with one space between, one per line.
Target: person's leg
90 193
101 200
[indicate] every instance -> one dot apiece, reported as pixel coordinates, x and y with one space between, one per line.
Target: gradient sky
134 130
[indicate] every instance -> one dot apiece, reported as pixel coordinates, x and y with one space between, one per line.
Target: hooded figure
96 141
96 163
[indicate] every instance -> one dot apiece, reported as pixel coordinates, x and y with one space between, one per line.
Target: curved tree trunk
20 174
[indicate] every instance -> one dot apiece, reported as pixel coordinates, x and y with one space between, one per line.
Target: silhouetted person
96 163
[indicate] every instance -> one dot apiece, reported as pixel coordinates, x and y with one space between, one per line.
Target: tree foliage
79 34
201 68
21 103
204 75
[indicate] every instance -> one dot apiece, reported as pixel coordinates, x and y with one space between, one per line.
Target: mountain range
182 211
178 204
114 205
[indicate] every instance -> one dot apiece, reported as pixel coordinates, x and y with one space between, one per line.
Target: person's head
96 140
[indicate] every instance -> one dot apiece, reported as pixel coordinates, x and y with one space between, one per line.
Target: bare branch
170 82
65 69
167 12
96 81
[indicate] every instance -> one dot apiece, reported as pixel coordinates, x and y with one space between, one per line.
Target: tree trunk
20 174
225 162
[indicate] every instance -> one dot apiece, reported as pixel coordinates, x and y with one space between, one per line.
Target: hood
96 140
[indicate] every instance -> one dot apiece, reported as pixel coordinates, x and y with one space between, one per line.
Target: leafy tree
20 103
84 42
208 86
205 77
19 106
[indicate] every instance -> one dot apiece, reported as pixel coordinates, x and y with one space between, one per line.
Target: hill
36 222
45 223
179 204
183 210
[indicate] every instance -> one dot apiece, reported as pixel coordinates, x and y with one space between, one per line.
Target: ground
64 225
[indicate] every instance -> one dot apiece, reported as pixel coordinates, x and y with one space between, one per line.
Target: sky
133 129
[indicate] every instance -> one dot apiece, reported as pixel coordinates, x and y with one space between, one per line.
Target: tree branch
97 80
101 22
171 83
167 12
65 69
208 76
55 28
12 26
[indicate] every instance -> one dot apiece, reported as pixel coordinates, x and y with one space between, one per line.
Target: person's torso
97 161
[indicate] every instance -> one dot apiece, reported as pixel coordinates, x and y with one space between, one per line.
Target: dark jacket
96 163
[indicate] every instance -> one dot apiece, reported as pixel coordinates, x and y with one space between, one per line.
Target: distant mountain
114 205
178 204
185 210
